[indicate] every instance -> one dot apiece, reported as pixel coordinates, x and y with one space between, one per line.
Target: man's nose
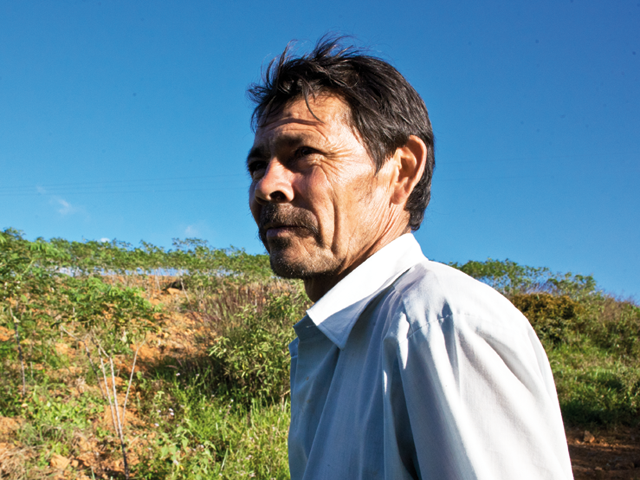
275 185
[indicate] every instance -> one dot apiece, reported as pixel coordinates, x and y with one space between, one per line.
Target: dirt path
607 454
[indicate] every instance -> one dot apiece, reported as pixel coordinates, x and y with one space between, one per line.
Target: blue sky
129 120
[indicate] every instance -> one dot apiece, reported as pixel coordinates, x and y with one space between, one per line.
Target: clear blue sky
129 120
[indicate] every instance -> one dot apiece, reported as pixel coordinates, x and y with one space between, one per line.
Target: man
403 368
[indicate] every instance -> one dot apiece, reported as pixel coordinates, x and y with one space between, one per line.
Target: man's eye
256 169
304 151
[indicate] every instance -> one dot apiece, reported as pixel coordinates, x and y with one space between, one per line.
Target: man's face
318 203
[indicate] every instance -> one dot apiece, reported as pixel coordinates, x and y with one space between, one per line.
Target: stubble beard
307 262
305 268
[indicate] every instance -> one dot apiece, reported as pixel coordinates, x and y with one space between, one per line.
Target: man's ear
410 161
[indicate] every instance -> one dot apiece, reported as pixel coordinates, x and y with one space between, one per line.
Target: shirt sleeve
472 398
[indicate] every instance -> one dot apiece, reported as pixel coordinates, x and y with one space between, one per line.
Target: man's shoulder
431 292
434 283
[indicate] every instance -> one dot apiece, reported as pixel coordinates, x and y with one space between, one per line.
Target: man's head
341 163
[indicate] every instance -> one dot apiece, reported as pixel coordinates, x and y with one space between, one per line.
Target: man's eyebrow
258 152
262 151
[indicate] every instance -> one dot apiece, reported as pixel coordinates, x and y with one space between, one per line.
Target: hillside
176 360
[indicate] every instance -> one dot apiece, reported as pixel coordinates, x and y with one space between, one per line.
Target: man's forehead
323 109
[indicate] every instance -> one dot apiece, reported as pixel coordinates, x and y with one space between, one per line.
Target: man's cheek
255 209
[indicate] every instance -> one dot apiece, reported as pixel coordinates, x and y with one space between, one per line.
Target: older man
403 368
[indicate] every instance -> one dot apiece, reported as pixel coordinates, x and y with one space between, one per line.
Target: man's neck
316 287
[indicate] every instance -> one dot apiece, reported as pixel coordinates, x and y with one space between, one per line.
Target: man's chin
286 267
293 263
285 260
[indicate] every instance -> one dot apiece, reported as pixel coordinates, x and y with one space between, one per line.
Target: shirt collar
337 311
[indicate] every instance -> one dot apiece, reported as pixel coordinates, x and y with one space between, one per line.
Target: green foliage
225 414
117 314
505 276
595 388
188 257
80 293
50 415
34 293
603 398
27 276
252 358
613 325
509 278
200 436
27 281
551 316
577 287
211 439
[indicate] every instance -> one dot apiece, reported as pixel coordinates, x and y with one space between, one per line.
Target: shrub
505 276
552 317
613 325
252 359
221 301
510 278
117 315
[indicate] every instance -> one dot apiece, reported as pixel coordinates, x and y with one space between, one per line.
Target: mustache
273 215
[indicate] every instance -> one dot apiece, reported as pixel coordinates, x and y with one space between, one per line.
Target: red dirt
605 454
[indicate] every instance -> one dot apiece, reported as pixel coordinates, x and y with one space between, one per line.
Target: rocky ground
609 454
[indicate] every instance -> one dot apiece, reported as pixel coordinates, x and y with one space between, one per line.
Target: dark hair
385 109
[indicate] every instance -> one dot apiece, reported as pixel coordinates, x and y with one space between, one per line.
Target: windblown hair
384 108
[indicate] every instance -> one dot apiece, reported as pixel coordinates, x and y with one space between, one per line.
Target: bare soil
609 453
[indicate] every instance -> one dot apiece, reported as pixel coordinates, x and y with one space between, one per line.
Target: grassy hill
176 360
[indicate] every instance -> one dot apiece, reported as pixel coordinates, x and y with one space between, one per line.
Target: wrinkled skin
320 207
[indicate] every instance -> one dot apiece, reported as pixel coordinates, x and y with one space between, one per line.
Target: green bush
613 325
505 276
510 278
252 359
551 316
116 315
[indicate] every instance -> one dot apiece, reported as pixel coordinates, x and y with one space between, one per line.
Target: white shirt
409 369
